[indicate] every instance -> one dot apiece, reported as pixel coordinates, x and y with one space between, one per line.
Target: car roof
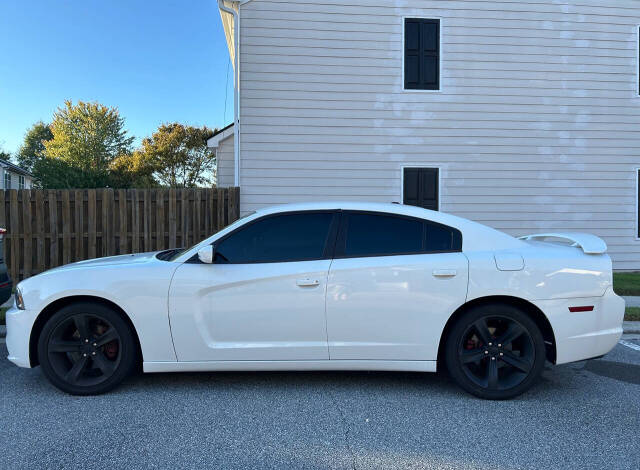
399 209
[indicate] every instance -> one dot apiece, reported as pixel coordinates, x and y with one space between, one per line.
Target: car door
393 284
263 298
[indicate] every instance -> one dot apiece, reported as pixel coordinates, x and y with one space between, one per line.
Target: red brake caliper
111 350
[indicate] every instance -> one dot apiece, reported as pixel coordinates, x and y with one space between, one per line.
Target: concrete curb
3 331
631 301
631 327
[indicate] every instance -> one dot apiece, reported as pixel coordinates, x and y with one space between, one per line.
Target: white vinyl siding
224 159
638 201
536 126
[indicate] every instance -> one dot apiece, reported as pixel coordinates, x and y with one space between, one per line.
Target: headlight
19 301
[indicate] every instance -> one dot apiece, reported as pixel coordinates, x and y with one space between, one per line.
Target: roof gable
222 134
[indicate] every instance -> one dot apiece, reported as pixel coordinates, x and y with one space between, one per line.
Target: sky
156 61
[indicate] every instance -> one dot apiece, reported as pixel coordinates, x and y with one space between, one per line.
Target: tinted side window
377 235
442 238
287 237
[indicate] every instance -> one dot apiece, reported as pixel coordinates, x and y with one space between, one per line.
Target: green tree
178 156
87 138
130 171
54 173
33 149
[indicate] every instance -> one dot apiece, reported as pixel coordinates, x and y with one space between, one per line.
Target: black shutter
421 54
421 187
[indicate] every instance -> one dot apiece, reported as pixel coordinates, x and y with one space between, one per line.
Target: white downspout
236 89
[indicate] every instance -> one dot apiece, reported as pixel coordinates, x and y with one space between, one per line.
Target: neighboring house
222 143
14 177
524 115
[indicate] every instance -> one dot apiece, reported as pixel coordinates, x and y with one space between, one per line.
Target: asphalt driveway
584 415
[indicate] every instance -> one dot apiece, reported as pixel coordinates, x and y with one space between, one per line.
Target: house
222 143
14 177
524 116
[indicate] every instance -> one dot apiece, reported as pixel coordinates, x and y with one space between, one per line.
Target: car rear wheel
86 349
495 352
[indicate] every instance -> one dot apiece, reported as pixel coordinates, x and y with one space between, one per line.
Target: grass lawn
626 283
632 314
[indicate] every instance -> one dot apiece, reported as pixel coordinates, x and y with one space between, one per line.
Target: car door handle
307 282
445 273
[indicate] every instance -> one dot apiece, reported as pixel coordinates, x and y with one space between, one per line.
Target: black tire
495 352
86 349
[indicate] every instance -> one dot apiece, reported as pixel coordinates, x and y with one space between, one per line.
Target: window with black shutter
420 187
421 54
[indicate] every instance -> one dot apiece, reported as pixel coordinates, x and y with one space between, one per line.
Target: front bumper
585 335
19 326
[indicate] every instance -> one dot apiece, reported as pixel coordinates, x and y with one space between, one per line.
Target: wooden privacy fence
48 228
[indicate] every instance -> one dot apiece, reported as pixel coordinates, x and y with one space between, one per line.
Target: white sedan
326 286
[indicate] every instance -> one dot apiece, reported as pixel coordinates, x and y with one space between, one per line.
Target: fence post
78 224
27 234
53 229
234 204
173 218
135 220
40 209
66 228
160 219
15 235
91 223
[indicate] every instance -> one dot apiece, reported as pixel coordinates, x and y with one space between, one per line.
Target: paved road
584 415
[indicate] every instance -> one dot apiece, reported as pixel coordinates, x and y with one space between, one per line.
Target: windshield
172 255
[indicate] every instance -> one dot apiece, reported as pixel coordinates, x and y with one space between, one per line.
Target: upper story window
7 180
21 184
421 54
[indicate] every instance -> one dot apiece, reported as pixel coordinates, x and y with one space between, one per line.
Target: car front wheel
86 349
495 352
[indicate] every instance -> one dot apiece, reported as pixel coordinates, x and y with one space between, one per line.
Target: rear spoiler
590 244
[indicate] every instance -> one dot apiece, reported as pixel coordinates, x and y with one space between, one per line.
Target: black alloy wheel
495 352
86 349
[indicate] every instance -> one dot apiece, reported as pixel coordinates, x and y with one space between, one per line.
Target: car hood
111 261
115 278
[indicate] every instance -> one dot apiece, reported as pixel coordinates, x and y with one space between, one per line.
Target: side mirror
205 254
